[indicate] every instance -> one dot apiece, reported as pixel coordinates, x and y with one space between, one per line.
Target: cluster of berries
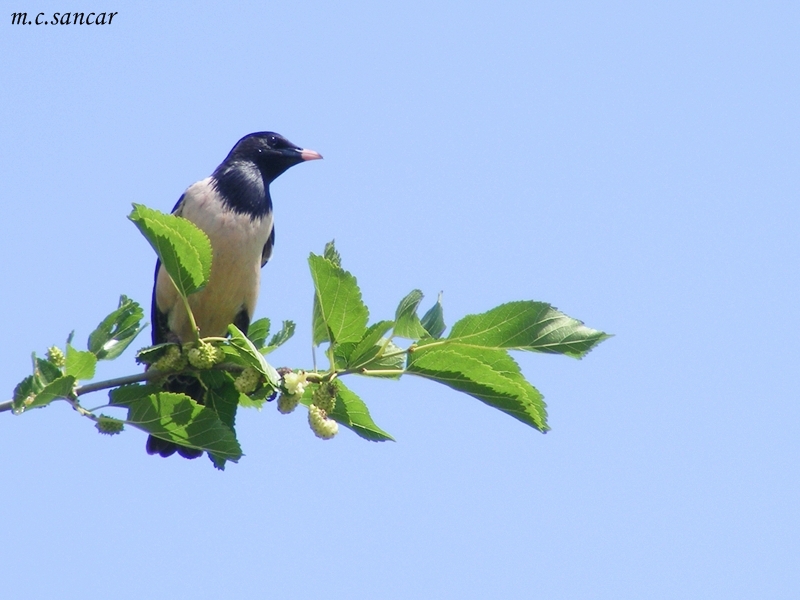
294 384
322 404
204 356
323 401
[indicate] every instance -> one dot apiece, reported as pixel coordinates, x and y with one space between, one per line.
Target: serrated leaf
183 249
407 323
351 412
370 344
221 395
248 402
46 371
80 364
319 329
151 354
258 398
332 254
527 325
126 394
247 355
433 320
55 390
116 332
27 388
488 374
258 332
389 365
280 338
342 353
178 418
339 312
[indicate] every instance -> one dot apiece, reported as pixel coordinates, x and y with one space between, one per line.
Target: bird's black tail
180 385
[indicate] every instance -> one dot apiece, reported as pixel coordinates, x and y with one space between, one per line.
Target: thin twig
128 379
109 383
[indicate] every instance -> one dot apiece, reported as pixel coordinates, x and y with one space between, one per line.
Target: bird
233 207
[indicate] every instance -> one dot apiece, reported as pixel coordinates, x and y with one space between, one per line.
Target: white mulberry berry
205 356
295 383
323 427
325 396
172 360
247 381
287 403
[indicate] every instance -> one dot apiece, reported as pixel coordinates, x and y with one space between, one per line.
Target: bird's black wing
266 253
176 210
157 318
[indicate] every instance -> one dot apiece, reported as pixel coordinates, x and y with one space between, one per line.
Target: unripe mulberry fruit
108 425
172 360
204 356
56 356
287 403
323 427
247 381
325 396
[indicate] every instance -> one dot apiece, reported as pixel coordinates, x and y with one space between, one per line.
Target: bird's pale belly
237 242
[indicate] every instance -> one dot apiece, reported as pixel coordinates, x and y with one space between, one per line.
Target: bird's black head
270 152
256 160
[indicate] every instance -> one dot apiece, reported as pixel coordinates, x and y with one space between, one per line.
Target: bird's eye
273 139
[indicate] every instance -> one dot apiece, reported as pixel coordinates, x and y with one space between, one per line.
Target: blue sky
634 164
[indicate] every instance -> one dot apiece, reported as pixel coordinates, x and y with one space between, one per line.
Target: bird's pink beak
310 155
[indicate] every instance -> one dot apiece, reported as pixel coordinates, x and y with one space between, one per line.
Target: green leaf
407 323
339 312
342 354
184 250
351 412
46 371
242 351
258 332
151 354
332 254
388 365
55 390
222 397
248 402
527 325
115 333
178 418
319 329
370 344
488 374
80 364
433 320
280 338
257 399
60 388
25 390
125 395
